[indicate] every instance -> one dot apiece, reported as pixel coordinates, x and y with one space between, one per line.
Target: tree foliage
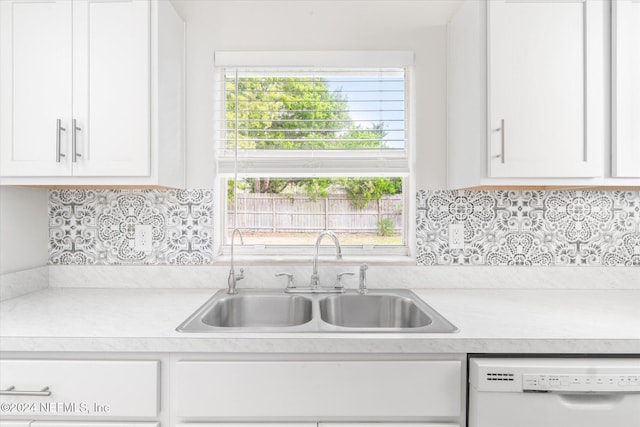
298 114
363 190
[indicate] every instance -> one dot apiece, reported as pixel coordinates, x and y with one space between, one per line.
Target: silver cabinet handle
11 391
59 129
501 130
502 141
74 144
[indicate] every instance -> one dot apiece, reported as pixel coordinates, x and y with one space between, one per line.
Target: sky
368 96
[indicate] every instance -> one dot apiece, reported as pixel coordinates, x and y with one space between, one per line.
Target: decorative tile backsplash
530 227
500 227
98 226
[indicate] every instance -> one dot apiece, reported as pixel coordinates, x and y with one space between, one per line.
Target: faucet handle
339 278
362 286
289 279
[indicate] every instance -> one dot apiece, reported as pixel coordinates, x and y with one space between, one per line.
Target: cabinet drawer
257 424
90 424
376 424
387 425
83 387
363 389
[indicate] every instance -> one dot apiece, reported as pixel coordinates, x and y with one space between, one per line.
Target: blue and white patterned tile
519 249
625 252
189 227
98 227
500 227
117 221
72 227
530 227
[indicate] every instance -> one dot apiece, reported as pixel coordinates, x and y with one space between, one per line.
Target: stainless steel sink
275 311
249 310
372 311
259 310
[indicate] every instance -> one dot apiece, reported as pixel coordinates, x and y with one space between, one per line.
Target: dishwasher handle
608 400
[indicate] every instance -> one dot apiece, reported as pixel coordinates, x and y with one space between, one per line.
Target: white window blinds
304 120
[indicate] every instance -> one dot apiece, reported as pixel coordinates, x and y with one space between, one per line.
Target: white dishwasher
554 392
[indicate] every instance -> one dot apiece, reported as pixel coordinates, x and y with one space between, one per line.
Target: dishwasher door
554 392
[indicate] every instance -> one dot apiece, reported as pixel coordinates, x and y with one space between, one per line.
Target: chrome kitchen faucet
315 278
233 277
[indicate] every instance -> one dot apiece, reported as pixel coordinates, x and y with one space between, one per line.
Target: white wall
418 26
24 228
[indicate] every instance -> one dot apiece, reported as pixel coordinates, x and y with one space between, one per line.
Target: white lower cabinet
387 425
75 424
246 425
316 425
325 389
186 390
90 424
67 389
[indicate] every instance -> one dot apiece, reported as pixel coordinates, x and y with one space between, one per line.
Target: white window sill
327 259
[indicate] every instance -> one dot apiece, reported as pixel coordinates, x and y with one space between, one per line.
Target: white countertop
490 321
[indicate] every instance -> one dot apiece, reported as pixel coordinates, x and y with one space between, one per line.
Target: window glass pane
284 109
292 211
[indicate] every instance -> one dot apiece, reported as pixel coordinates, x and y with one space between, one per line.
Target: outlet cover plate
456 236
144 238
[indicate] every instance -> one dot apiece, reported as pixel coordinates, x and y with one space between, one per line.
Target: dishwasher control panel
555 375
580 383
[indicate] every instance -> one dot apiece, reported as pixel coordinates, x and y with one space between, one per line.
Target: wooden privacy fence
291 214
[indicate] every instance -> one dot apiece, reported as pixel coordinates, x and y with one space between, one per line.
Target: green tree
300 114
363 190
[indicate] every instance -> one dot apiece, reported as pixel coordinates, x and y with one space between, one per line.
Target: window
303 147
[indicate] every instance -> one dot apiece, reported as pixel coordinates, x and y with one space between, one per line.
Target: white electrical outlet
144 237
456 236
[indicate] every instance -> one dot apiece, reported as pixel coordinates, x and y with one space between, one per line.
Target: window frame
350 164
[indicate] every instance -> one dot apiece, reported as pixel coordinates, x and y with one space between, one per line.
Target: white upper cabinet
92 93
545 88
527 93
626 88
111 65
35 87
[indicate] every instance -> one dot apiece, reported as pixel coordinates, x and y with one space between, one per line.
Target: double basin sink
276 311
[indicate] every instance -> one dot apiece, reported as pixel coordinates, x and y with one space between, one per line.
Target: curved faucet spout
233 277
315 278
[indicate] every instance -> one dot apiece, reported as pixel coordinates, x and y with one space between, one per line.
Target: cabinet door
111 93
545 88
246 425
356 424
347 389
35 86
626 88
